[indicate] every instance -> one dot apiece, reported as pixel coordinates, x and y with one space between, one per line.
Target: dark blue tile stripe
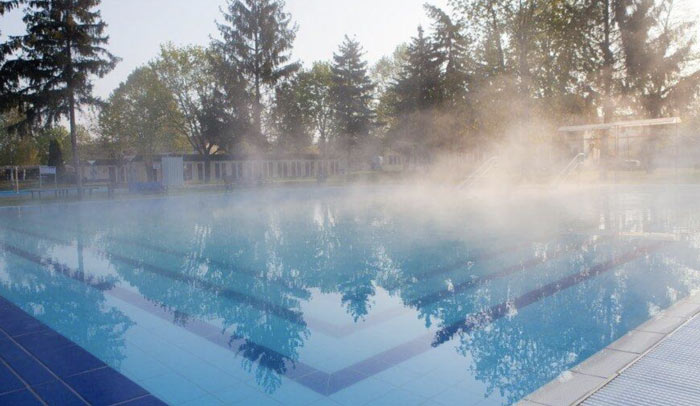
437 296
292 316
52 370
44 342
479 320
329 383
295 316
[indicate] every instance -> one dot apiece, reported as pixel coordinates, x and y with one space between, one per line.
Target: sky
138 27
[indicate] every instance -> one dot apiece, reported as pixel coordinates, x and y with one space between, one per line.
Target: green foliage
210 99
50 74
657 54
291 113
419 83
303 110
141 117
55 157
257 38
352 94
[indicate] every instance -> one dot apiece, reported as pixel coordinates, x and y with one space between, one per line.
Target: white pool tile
398 397
362 392
173 388
458 396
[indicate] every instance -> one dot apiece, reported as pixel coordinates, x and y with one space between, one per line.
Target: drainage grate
666 376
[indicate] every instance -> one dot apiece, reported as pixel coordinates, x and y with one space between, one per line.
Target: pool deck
656 363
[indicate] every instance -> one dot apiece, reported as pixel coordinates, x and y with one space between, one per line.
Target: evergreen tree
351 94
55 156
8 81
418 94
419 84
452 47
257 38
61 52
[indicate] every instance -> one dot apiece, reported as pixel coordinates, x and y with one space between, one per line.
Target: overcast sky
138 27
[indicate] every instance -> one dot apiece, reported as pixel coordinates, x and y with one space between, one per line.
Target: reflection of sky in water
370 294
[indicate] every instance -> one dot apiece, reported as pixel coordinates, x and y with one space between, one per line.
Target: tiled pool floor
41 367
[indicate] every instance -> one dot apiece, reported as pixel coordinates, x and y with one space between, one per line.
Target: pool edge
573 387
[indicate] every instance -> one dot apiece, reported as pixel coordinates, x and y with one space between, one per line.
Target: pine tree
452 46
351 94
7 80
419 92
61 52
56 156
257 39
419 84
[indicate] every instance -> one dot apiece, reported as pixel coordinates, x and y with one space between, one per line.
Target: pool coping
573 387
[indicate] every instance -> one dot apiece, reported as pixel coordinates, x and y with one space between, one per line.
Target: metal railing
479 173
569 169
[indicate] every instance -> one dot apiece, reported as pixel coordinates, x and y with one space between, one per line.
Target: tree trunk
207 168
74 145
608 107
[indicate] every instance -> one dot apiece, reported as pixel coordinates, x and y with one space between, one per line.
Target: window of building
200 171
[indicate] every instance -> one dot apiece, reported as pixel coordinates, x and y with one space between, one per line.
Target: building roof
622 124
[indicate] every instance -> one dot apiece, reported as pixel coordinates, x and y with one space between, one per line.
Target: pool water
351 296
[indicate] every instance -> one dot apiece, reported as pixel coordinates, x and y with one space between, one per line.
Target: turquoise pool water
351 296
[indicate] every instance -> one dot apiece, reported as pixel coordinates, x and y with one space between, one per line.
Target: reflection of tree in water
355 250
516 355
71 307
266 341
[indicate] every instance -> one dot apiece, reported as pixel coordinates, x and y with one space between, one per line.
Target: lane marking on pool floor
324 327
329 383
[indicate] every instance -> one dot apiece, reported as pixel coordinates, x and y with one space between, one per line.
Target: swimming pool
358 295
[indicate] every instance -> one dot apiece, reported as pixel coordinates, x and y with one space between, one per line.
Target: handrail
480 172
572 166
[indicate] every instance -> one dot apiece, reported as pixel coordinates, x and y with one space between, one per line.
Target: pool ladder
569 169
479 173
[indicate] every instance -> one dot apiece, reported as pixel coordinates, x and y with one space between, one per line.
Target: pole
16 180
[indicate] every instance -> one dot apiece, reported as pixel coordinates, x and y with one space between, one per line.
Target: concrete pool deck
639 368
